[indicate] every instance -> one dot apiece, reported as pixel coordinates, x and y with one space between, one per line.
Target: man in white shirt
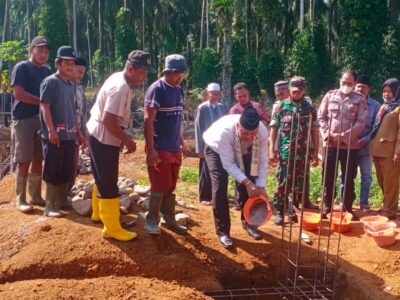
206 113
110 115
236 145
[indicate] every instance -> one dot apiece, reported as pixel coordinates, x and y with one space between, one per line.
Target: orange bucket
369 221
257 210
384 234
346 221
310 220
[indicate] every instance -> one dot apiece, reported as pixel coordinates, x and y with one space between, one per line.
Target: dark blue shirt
169 102
30 77
60 95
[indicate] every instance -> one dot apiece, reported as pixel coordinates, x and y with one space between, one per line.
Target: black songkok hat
363 79
249 118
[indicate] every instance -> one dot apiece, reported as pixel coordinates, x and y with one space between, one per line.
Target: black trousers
58 161
330 184
104 160
204 181
219 187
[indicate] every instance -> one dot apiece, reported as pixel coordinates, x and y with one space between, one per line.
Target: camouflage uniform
285 112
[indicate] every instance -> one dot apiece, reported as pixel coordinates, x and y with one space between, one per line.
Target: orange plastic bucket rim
257 210
310 220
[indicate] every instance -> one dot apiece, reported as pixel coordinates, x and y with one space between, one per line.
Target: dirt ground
67 258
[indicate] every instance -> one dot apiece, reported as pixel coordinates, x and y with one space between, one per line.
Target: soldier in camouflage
297 110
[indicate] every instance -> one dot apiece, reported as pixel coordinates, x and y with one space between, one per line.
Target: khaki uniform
383 146
352 110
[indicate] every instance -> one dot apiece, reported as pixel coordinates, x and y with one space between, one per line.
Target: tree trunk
142 35
207 25
301 24
6 29
100 25
89 47
6 24
227 65
248 23
74 25
203 5
28 19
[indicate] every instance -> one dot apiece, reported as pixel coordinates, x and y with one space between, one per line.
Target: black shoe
253 232
278 218
293 218
325 212
225 241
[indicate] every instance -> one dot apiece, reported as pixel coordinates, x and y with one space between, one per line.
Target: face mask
346 89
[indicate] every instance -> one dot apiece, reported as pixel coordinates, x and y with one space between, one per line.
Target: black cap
66 52
363 80
139 59
80 62
39 41
297 82
239 86
250 118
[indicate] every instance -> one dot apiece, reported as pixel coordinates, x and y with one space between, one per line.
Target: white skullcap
213 87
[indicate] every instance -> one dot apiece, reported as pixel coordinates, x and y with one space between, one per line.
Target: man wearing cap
26 145
81 113
364 158
163 116
110 115
289 111
206 113
341 114
242 96
234 146
58 131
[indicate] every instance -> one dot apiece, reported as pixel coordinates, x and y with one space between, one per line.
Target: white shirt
220 138
115 97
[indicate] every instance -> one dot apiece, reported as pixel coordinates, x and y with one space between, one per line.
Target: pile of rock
84 166
130 192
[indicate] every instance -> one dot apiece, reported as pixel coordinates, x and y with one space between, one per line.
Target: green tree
269 70
124 36
100 66
362 25
53 25
390 63
302 61
244 65
206 67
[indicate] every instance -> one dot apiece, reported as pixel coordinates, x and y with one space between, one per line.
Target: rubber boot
62 199
35 189
168 212
153 215
279 215
20 190
95 206
109 215
52 193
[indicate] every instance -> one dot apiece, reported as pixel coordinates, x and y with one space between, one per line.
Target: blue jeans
365 165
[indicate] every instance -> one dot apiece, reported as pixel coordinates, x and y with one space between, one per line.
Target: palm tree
224 10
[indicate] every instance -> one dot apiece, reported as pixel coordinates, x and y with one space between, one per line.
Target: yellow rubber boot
109 215
95 205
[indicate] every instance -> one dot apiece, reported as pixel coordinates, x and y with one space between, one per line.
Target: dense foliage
254 41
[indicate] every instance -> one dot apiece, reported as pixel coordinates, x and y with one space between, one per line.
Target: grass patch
189 174
375 195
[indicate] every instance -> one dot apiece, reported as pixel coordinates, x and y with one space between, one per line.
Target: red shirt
238 109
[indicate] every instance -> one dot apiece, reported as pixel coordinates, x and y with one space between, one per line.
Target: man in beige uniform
347 109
